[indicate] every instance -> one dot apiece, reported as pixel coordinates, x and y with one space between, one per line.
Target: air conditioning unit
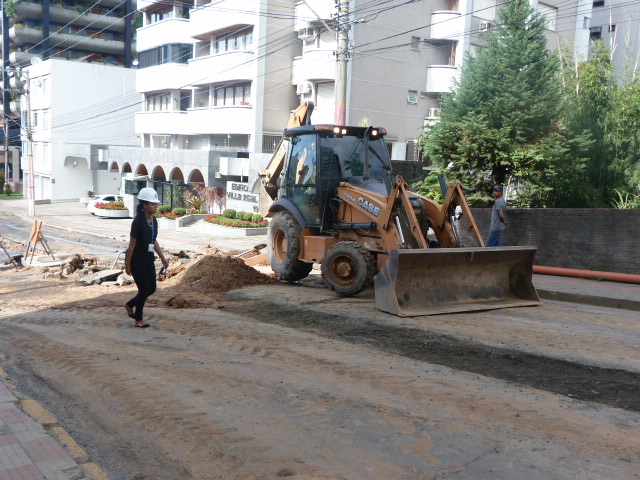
307 33
434 112
303 88
485 26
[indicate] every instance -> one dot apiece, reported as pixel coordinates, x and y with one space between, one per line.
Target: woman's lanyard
152 244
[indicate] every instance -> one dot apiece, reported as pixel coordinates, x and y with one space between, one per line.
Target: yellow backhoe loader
334 200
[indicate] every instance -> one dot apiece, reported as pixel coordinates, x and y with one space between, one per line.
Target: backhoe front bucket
431 281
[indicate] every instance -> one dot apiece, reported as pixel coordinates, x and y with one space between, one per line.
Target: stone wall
600 239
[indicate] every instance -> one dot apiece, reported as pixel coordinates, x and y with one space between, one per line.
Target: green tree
589 92
607 108
623 135
498 123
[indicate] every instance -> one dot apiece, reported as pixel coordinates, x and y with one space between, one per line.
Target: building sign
240 198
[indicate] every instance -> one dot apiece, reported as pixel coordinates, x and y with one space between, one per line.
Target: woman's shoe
141 324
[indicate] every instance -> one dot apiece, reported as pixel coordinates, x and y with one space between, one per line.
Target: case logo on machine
370 207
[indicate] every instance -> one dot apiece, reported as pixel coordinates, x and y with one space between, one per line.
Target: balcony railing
446 25
199 121
314 65
440 78
66 16
237 65
208 18
25 35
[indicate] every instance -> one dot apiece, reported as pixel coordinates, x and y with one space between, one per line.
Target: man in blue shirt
498 218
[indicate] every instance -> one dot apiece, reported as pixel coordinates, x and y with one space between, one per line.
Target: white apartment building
214 75
76 110
617 22
404 58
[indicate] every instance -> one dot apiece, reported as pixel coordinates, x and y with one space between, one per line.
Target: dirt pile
209 278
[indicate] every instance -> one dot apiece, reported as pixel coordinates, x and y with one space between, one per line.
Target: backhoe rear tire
348 268
284 248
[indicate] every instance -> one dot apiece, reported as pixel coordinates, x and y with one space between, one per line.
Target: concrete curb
596 301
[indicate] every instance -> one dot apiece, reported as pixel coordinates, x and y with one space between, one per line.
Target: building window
612 28
169 53
598 3
159 15
236 40
586 22
234 94
270 143
454 5
185 100
595 33
158 101
550 13
415 43
412 96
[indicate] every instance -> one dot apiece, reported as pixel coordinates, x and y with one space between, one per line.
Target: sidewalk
73 216
34 447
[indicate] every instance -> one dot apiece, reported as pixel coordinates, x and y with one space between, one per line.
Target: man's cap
499 188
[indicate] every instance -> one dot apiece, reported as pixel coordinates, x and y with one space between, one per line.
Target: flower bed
110 206
231 227
218 219
111 210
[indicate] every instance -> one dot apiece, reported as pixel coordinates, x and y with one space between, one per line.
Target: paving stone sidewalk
31 447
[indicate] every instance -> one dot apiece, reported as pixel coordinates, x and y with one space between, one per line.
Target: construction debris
101 276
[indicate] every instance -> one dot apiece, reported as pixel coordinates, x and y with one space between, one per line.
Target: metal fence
171 193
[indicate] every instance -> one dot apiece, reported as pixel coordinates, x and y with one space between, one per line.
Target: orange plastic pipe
572 272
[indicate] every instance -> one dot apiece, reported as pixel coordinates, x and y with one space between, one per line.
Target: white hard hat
148 195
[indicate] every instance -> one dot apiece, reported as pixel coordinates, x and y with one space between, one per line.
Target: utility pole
6 94
24 89
342 59
32 187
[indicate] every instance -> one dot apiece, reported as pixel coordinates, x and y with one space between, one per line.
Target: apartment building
617 23
77 110
40 35
405 56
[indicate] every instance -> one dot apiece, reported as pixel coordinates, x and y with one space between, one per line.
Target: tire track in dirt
614 387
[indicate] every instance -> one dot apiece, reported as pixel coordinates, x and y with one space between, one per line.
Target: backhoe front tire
348 268
284 248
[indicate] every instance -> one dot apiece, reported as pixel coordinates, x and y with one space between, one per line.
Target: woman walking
140 254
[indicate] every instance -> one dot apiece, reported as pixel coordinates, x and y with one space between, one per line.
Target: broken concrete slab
101 276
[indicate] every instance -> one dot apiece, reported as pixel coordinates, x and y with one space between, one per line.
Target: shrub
164 209
193 211
256 218
7 189
229 213
179 212
243 216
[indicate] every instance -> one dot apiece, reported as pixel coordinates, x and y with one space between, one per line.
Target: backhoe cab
334 200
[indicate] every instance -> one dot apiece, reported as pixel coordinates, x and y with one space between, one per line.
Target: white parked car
103 198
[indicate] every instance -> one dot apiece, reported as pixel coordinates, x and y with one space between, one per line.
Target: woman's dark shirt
141 231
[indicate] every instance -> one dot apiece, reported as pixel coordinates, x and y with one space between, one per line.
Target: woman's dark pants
144 273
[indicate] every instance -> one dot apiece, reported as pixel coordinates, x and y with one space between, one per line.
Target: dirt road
283 381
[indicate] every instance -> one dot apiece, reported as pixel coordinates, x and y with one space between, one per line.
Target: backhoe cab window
301 176
351 155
